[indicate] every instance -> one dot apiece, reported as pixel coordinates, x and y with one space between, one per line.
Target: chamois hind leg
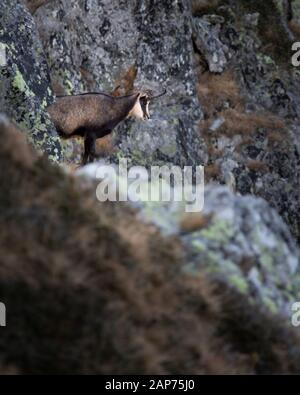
89 149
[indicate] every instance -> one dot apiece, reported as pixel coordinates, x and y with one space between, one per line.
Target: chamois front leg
89 148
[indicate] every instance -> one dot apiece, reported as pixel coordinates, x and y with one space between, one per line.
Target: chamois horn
160 95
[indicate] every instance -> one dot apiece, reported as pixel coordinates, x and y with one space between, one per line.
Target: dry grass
214 89
248 123
194 222
246 140
212 150
104 146
257 166
295 28
34 5
200 7
125 84
238 122
211 172
221 99
275 137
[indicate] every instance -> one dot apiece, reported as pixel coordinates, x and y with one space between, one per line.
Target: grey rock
24 78
267 88
206 33
217 123
105 39
246 245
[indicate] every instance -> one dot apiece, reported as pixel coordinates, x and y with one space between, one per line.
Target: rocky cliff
236 53
142 44
148 288
252 128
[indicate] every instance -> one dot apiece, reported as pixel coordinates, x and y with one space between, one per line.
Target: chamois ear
138 96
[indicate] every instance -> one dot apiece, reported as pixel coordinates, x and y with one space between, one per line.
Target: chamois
95 115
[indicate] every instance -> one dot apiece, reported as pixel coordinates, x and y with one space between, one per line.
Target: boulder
89 288
24 78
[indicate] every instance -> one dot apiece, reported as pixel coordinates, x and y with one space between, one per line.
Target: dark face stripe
144 103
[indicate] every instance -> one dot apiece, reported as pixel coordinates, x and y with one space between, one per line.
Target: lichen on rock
246 245
109 38
24 78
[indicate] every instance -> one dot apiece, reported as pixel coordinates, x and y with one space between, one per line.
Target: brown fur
257 166
194 222
90 289
73 114
91 116
88 78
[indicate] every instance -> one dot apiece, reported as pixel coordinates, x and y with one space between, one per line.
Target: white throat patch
137 111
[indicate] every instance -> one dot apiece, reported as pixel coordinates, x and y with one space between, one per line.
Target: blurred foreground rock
237 240
90 288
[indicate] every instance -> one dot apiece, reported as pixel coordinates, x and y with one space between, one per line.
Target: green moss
268 60
68 84
270 305
267 261
169 149
221 231
239 283
199 245
20 84
213 259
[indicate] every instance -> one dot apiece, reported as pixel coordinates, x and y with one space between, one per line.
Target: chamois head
141 107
